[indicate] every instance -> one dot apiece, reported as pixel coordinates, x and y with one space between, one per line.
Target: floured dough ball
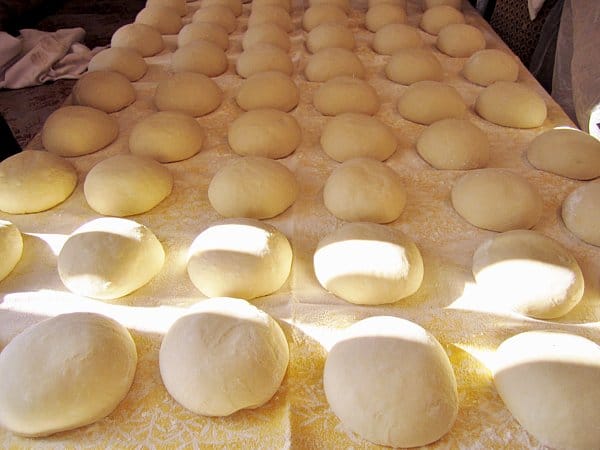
206 31
78 130
487 66
178 5
426 102
330 35
511 105
201 57
409 65
164 19
275 15
266 33
383 14
342 4
400 3
353 135
191 93
550 382
264 132
108 258
263 58
497 200
218 14
432 3
253 187
65 372
225 356
394 37
368 264
329 63
34 181
346 94
460 40
391 382
323 13
581 212
103 90
454 144
234 5
566 152
268 90
139 37
11 248
166 137
126 61
245 258
436 18
285 4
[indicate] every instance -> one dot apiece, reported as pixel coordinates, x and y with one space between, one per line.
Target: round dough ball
234 5
285 4
432 3
346 94
511 105
166 137
353 135
266 33
108 258
409 65
454 144
200 56
497 200
78 130
460 40
426 102
245 258
396 36
206 31
487 66
330 63
126 61
225 356
253 187
549 381
217 14
330 35
164 19
383 14
268 90
342 4
263 58
34 181
323 13
65 372
11 248
368 264
191 93
391 382
140 37
178 5
103 90
436 18
581 212
275 15
400 3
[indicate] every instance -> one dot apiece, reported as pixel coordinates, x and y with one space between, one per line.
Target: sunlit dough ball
497 200
346 94
454 144
330 35
581 212
487 66
394 37
126 61
191 93
206 31
218 14
409 65
436 18
263 58
11 247
511 105
330 63
460 40
103 90
550 382
266 33
426 102
432 3
109 257
368 264
342 4
164 19
139 37
275 15
65 372
285 4
201 57
177 5
253 187
243 258
400 3
234 5
78 130
225 356
323 13
268 90
383 14
32 181
391 382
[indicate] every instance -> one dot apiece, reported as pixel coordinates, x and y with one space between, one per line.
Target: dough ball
354 135
124 185
330 35
264 132
234 5
511 105
396 36
268 90
323 13
454 144
11 248
330 63
497 200
245 258
191 93
206 31
432 3
200 56
368 264
126 61
487 66
65 372
108 258
166 137
346 94
581 212
460 40
103 90
285 4
426 102
566 152
383 14
140 37
409 65
78 130
275 15
164 19
217 14
34 181
391 382
263 58
400 3
178 5
225 356
436 18
549 381
342 4
266 33
253 187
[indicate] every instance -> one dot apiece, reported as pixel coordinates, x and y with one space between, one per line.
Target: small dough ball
225 356
206 31
217 14
200 56
436 18
285 4
409 65
140 37
323 13
275 15
268 90
266 33
253 187
454 144
400 3
581 212
166 137
263 58
391 382
178 5
329 63
396 36
234 5
368 264
191 93
164 19
78 130
342 4
65 372
264 132
426 102
383 14
32 181
330 35
364 190
126 61
511 105
549 382
487 66
433 3
108 258
497 200
460 40
11 248
346 94
353 135
245 258
106 91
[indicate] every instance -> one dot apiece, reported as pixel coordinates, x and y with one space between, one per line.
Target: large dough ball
234 5
285 4
460 40
263 58
409 65
178 5
243 258
275 15
191 93
394 37
497 200
391 382
218 14
330 63
383 14
103 90
368 264
400 3
426 102
64 373
200 56
490 65
342 4
268 90
164 19
11 247
436 18
346 94
78 130
207 31
225 356
330 35
126 61
432 3
34 181
139 37
550 382
323 13
581 212
108 258
266 33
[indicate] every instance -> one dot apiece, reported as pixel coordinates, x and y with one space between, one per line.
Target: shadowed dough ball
234 5
191 93
266 33
487 66
139 37
268 90
263 58
400 3
218 14
346 94
330 35
207 31
11 247
329 63
126 61
432 3
436 18
396 36
342 4
275 15
426 102
177 5
383 14
581 212
460 40
285 4
106 91
409 65
201 57
164 19
323 13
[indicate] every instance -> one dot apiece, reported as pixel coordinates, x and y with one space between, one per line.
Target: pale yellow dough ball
330 35
436 18
432 3
323 13
207 31
177 5
268 90
11 247
383 14
275 15
103 90
581 212
396 36
139 37
409 65
217 14
460 40
400 3
126 61
191 93
330 63
426 102
164 19
266 33
346 95
234 5
342 4
201 57
285 4
488 66
263 58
